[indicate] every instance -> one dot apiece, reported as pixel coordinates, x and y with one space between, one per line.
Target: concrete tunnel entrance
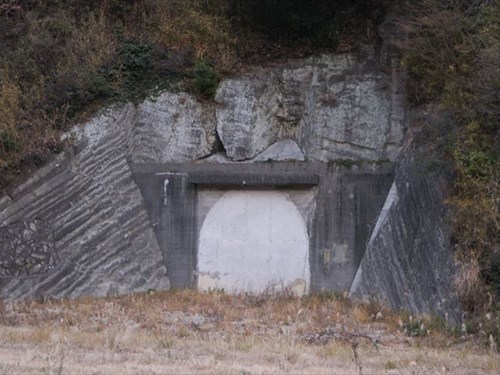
313 222
253 240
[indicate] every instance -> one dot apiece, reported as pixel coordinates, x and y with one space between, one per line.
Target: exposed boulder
173 127
347 111
246 115
217 158
285 150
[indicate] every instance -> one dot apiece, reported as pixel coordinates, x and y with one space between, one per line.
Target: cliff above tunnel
119 211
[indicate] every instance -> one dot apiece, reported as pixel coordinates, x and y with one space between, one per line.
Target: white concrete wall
253 240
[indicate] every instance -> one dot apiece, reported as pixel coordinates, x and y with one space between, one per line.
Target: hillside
61 61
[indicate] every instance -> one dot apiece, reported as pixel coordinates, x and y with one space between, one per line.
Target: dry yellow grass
9 110
185 24
191 332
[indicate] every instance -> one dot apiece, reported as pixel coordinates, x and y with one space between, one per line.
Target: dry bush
9 111
432 56
185 24
370 312
9 8
166 320
471 289
2 309
93 44
477 297
62 62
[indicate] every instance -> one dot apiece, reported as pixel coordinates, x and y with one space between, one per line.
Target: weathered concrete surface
253 241
283 274
27 248
173 127
347 200
79 226
408 262
334 106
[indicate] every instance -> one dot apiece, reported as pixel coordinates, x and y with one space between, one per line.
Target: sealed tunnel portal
253 240
248 227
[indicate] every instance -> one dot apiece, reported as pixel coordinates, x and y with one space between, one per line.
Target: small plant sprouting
348 163
414 327
205 78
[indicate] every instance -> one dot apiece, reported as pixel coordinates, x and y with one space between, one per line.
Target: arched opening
252 241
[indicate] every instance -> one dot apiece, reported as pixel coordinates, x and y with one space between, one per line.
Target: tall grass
9 112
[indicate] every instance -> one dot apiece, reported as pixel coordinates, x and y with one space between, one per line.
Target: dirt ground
190 332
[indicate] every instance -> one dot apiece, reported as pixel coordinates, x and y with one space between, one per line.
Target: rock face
245 116
333 106
173 128
79 226
408 261
285 150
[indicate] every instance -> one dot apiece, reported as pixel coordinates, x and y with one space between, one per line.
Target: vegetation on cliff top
60 60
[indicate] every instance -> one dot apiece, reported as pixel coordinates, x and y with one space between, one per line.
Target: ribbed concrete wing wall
93 219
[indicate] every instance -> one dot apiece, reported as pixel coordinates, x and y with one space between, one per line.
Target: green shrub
100 85
136 58
140 68
135 66
205 78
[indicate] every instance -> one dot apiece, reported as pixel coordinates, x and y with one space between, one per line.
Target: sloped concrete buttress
78 226
408 262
